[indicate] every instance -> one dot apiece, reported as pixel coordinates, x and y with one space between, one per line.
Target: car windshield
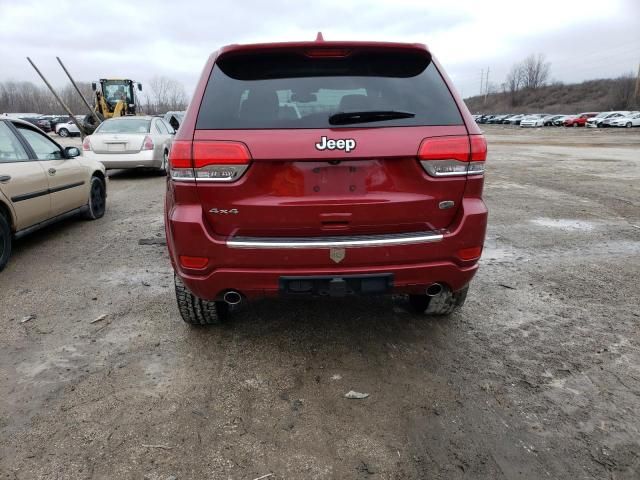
116 91
288 90
124 125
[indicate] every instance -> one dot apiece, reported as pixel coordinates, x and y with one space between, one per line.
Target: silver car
131 142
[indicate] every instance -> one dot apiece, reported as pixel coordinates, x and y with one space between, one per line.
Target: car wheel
196 311
419 303
629 125
445 303
63 132
165 162
97 199
575 124
5 241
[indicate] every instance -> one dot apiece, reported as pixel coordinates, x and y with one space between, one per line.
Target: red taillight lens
148 143
180 154
470 253
453 156
478 148
210 161
219 153
195 263
86 144
445 148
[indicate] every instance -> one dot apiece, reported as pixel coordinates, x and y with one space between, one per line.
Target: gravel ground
538 376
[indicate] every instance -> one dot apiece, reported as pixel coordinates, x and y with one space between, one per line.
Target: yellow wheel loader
113 98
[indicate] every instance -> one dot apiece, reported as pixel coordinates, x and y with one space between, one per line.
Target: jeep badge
346 144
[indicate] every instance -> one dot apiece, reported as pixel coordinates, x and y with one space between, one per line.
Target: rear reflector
470 253
453 156
210 161
195 263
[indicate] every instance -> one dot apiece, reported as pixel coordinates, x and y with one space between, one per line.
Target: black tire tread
194 310
447 302
5 231
89 215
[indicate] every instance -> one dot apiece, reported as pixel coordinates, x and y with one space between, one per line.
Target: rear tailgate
291 188
279 105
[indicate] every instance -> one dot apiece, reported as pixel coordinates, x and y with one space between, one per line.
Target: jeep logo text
346 144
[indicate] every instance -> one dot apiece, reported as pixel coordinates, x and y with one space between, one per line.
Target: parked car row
586 119
42 182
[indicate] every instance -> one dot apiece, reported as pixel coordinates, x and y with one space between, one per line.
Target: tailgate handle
335 221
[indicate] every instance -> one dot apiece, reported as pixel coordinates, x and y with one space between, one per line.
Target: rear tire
629 125
419 303
165 161
63 132
442 304
196 311
5 241
97 199
447 302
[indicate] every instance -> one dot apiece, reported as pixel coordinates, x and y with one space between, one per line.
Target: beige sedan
131 142
41 183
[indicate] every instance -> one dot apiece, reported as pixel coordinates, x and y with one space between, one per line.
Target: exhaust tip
232 297
434 289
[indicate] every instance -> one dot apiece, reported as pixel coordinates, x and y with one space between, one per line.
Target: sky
140 39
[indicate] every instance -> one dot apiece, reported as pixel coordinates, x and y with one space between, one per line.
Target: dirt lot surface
538 376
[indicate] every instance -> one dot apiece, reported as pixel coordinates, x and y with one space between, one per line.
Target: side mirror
140 87
94 87
71 152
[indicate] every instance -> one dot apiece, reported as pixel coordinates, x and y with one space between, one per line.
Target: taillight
147 144
86 144
208 161
453 156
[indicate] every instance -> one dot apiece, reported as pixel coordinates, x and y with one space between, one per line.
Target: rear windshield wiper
344 118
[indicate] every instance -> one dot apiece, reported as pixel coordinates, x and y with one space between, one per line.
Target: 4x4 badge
337 254
223 211
346 144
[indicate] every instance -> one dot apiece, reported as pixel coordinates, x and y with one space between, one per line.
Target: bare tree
513 83
165 94
622 92
535 71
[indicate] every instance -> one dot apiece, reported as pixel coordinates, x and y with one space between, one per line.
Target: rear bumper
143 159
257 270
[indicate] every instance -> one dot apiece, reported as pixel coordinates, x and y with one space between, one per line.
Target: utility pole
486 87
638 84
481 80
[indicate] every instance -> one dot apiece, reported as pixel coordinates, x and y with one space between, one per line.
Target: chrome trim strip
335 242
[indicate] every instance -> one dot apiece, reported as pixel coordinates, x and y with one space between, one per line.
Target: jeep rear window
289 90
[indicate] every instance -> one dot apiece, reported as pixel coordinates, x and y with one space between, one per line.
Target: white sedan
131 142
533 121
632 120
67 129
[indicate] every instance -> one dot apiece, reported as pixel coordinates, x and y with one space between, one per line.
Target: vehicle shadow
133 174
326 324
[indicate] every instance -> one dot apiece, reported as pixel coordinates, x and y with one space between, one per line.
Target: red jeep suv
324 168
